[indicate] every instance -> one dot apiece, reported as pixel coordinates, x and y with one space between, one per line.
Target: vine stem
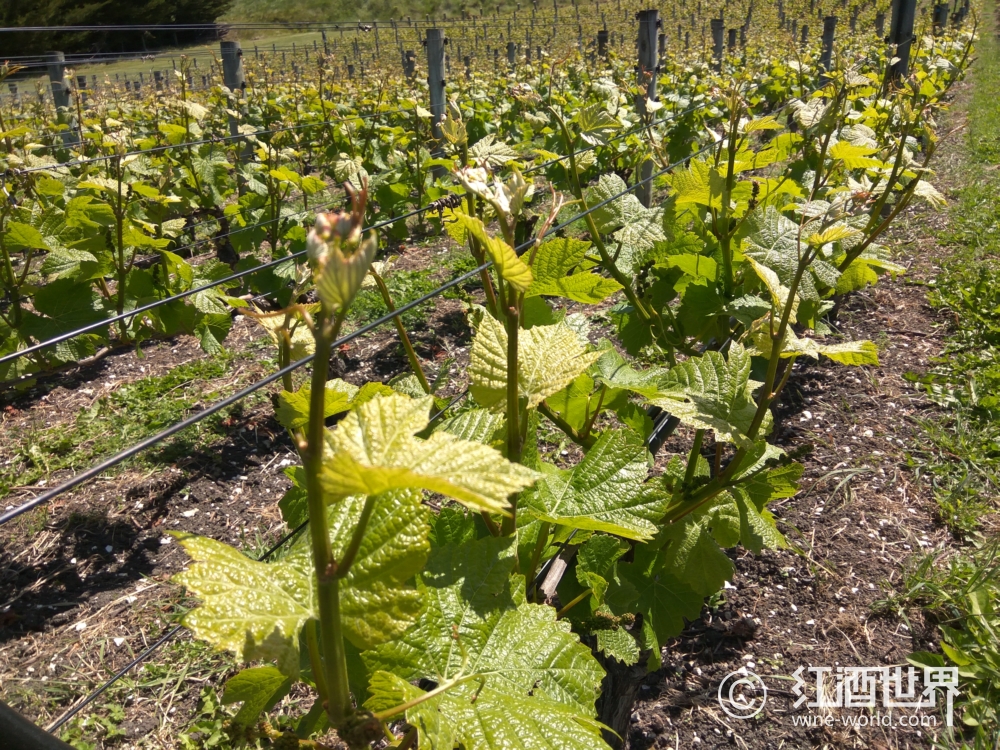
573 603
692 466
404 337
328 583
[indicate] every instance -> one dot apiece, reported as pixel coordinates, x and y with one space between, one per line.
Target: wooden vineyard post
901 38
602 43
880 24
434 43
718 28
829 31
60 94
235 81
648 69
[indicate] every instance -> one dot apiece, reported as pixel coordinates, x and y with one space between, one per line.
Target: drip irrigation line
97 325
170 634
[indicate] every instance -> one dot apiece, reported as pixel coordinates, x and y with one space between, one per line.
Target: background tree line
14 13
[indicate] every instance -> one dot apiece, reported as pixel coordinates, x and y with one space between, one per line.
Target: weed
119 420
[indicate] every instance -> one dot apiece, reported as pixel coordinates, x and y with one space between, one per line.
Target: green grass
960 591
120 419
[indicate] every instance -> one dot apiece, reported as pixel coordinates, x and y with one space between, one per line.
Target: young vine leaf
374 450
549 358
517 676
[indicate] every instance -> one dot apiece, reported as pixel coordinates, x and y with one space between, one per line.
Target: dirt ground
85 585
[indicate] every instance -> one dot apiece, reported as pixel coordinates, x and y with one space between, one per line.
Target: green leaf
710 393
692 553
256 610
663 598
293 407
588 288
488 152
856 353
636 228
549 358
612 370
693 265
858 275
699 184
854 157
253 609
596 564
510 267
596 123
20 236
772 241
376 603
517 676
479 425
374 450
69 304
604 492
259 689
70 263
84 211
294 504
619 644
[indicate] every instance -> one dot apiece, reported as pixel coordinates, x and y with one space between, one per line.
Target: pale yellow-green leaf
779 292
302 341
549 358
836 233
510 267
253 609
854 353
854 157
373 450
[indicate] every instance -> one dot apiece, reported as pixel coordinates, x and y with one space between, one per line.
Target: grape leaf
256 610
549 358
604 492
258 689
663 598
374 450
510 267
517 676
846 353
554 260
636 228
710 393
619 644
253 609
